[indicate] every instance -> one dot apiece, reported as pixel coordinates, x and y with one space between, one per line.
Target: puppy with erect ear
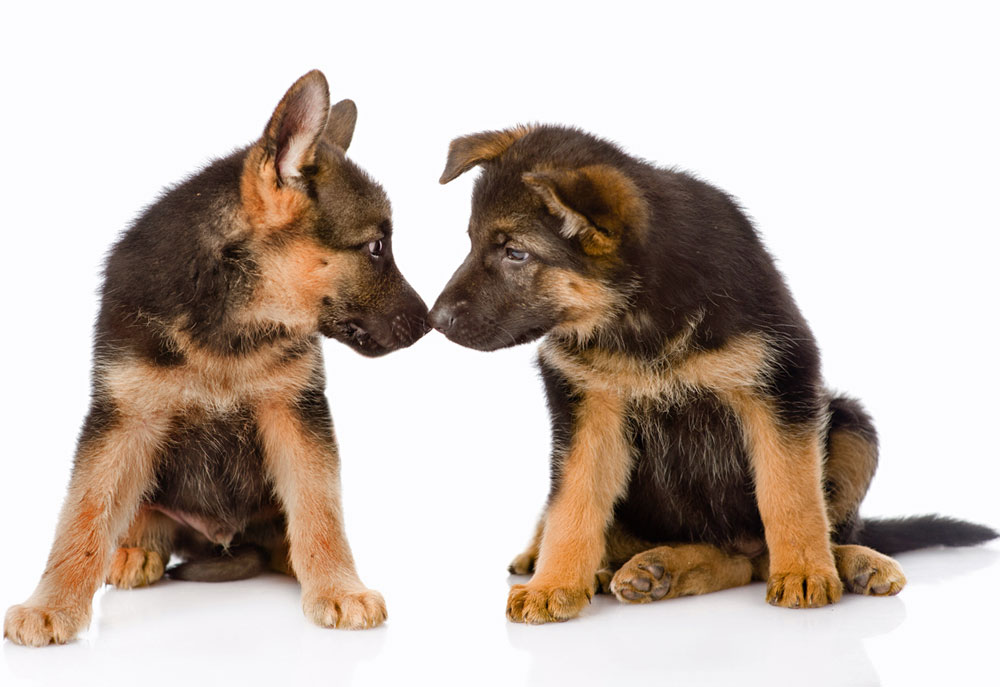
209 436
695 446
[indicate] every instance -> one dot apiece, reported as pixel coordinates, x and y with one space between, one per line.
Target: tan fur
786 466
787 472
849 465
586 303
594 475
866 571
214 383
133 567
295 277
111 475
738 365
620 545
306 477
143 551
667 572
624 204
268 205
524 562
466 152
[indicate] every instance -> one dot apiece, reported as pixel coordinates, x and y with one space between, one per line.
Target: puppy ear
340 126
466 152
597 204
296 125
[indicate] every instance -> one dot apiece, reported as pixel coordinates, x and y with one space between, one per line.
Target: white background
863 139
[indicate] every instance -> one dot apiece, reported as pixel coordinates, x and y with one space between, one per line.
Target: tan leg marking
110 475
787 469
865 571
595 474
306 476
667 572
524 562
135 567
143 551
850 466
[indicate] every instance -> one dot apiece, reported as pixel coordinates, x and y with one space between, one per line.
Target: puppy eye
376 248
516 255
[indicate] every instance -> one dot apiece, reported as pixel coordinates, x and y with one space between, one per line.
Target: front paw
135 567
353 610
804 588
33 625
537 604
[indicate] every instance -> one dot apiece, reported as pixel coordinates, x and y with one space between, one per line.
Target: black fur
236 563
695 268
893 535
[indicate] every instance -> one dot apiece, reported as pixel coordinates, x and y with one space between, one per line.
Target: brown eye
516 255
375 248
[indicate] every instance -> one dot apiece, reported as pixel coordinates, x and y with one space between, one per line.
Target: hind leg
524 562
851 459
866 571
620 546
666 572
143 551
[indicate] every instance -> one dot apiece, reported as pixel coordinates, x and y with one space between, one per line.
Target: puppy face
548 226
322 230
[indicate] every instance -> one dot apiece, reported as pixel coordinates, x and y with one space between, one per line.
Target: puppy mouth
361 339
492 338
374 338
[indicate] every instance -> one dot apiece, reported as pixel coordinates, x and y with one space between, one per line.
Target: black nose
442 316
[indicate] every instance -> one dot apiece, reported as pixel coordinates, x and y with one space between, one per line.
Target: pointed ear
296 125
598 204
466 152
340 126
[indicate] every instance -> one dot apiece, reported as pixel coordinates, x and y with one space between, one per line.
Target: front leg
589 479
302 460
787 465
114 466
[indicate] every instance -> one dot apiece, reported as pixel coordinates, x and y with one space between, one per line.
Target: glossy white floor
862 140
447 627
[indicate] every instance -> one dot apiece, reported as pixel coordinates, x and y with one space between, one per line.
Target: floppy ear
466 152
296 125
340 126
597 204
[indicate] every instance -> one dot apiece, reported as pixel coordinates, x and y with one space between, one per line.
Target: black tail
892 535
238 563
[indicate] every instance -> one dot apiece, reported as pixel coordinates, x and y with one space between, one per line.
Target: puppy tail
237 563
893 535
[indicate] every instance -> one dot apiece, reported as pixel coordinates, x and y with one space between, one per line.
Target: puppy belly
692 480
211 478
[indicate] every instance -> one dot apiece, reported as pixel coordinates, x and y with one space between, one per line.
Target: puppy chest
692 479
211 474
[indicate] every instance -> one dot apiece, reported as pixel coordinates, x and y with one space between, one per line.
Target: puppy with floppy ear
694 443
209 436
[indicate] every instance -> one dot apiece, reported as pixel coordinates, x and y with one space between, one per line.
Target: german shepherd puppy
208 427
694 444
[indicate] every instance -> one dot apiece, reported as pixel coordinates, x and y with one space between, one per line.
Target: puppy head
552 213
322 229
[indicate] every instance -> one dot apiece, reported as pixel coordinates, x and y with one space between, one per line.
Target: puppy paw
804 589
355 610
602 581
523 563
537 604
865 571
33 625
135 567
640 581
